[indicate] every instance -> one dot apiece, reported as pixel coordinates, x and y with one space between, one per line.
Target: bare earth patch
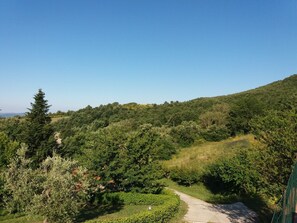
202 212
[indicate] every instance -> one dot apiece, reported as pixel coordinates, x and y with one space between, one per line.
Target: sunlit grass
178 218
201 192
124 211
18 218
57 118
198 157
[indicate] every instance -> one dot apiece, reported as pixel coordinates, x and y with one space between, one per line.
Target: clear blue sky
93 52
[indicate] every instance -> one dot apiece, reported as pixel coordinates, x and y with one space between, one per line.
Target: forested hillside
206 111
119 148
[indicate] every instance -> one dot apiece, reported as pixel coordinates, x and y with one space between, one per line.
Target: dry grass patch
197 157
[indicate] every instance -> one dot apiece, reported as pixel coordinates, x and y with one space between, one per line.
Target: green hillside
240 146
174 113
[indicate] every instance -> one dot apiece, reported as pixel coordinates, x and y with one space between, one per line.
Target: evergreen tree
39 133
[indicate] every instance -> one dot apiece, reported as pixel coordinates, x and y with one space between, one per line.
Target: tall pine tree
40 134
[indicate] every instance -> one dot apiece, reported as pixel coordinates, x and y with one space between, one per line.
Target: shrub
166 207
57 190
185 133
20 183
2 192
215 133
238 174
184 176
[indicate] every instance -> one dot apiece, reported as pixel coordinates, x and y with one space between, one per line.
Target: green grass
178 218
257 204
125 211
201 192
198 157
17 218
57 118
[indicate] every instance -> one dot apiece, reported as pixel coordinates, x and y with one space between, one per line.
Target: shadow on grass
108 206
254 202
258 204
217 194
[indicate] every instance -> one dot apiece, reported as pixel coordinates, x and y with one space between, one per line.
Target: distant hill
9 115
173 113
270 94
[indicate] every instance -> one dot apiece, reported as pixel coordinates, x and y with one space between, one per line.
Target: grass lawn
198 157
178 218
14 218
125 211
201 192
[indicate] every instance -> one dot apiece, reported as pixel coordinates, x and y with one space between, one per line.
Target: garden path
202 212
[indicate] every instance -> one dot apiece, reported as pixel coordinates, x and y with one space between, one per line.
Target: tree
20 184
39 132
57 190
125 161
186 133
242 113
7 149
214 123
64 190
278 131
142 170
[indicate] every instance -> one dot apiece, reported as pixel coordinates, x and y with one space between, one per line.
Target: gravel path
201 212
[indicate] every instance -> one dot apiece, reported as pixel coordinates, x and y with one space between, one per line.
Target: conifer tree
39 135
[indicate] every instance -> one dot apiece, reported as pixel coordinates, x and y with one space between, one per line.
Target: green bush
237 175
1 191
163 208
186 133
184 176
56 191
215 133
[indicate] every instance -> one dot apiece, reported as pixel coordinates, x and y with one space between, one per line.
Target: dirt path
201 212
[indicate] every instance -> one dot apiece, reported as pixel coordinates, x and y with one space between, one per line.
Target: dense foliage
38 133
125 162
122 146
8 149
264 170
57 190
163 208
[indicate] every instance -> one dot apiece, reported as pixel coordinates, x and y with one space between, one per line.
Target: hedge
164 207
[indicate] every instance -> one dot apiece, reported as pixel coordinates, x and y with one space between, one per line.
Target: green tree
239 174
57 190
8 149
20 183
142 170
125 161
186 133
242 113
64 190
278 131
216 116
214 123
39 132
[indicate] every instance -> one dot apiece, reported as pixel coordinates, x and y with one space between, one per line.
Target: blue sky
146 51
